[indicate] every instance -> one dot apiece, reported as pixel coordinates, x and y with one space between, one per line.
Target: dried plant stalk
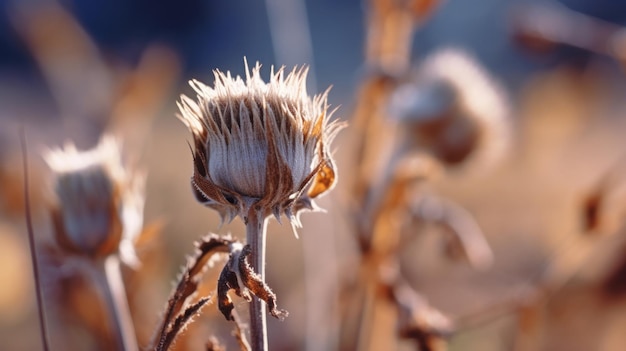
240 276
380 196
108 278
256 234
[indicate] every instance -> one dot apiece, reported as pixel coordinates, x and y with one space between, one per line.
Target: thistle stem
109 280
256 229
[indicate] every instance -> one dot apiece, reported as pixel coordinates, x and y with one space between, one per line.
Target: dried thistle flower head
453 109
261 144
99 207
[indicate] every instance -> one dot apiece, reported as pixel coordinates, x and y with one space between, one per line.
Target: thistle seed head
453 109
99 204
261 144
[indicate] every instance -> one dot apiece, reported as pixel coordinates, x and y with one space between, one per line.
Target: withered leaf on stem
239 276
178 303
180 323
227 281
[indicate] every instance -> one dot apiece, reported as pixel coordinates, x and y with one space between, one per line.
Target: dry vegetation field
456 212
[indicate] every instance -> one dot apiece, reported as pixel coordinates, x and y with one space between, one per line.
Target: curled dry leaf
238 275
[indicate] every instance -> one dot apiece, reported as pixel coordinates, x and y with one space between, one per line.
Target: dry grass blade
140 96
542 28
188 283
55 38
33 251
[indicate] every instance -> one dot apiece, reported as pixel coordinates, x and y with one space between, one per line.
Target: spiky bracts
259 143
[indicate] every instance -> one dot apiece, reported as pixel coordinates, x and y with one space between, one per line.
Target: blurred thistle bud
452 109
261 144
99 203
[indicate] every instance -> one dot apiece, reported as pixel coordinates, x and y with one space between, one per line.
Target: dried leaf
180 323
239 276
188 285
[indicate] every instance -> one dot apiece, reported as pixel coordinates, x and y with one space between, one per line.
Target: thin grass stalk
108 277
33 249
256 233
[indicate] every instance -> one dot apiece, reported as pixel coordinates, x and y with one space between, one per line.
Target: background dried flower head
99 208
454 110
